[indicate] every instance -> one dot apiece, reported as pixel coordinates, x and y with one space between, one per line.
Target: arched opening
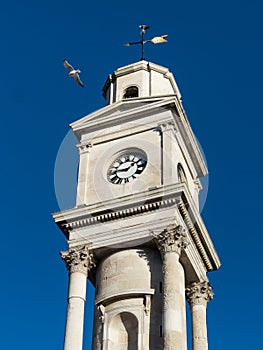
123 332
131 92
181 174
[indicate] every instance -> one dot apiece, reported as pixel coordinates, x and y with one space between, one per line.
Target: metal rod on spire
155 40
143 29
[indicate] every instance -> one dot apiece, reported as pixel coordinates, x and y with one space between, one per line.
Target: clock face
126 168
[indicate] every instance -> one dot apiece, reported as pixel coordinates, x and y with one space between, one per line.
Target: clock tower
136 231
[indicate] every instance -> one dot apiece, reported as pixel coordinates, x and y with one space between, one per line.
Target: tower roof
140 79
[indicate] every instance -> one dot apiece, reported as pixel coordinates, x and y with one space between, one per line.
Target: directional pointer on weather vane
155 40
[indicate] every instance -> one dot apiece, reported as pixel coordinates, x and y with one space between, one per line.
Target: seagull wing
77 79
67 65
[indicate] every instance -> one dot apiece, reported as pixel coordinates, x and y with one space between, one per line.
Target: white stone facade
136 231
125 284
151 80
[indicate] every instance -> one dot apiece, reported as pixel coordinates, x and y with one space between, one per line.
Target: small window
131 91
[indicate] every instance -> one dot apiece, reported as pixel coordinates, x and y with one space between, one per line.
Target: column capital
166 125
78 259
84 147
172 239
199 293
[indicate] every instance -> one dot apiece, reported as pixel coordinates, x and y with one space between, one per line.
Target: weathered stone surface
198 295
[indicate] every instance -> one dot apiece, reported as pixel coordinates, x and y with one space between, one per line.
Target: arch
123 332
181 173
131 92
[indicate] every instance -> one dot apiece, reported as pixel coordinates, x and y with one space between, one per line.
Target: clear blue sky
215 52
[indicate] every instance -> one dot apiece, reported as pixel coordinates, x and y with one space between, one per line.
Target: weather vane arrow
155 40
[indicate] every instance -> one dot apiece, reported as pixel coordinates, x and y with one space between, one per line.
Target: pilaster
167 131
84 151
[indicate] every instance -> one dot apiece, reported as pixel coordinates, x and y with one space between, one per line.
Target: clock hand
125 169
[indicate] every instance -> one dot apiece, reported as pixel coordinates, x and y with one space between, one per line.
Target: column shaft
174 318
75 312
199 329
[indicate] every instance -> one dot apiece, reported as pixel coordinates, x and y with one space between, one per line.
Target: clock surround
126 166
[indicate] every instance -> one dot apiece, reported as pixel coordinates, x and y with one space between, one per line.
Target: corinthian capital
199 293
172 239
78 259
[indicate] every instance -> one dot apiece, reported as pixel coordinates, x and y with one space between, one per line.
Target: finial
154 40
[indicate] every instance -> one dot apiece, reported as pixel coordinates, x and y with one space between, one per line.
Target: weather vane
155 40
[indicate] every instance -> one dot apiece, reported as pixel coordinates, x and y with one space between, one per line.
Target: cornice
113 114
199 234
145 203
195 236
110 216
141 198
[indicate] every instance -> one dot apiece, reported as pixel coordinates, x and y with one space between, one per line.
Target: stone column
171 242
198 295
79 261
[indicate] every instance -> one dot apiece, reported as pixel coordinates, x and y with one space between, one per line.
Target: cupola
139 80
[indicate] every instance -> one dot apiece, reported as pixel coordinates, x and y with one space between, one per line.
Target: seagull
73 72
